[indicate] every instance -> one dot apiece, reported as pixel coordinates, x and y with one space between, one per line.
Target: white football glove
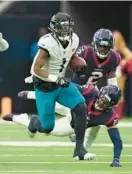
29 79
4 45
1 36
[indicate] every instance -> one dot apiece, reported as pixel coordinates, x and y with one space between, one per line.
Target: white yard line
120 124
59 171
51 143
125 124
53 155
66 172
59 162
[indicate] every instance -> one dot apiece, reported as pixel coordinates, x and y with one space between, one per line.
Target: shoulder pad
75 40
46 42
118 57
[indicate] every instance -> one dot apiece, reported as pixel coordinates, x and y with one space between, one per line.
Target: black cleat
8 117
80 154
23 95
31 130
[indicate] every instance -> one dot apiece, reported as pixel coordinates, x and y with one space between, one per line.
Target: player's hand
29 79
61 81
129 67
81 72
1 36
23 95
115 163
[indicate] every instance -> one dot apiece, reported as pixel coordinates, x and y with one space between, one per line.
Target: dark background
90 16
20 23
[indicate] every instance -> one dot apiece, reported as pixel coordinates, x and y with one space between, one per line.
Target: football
77 63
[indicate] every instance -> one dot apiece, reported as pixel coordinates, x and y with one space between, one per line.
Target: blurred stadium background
22 23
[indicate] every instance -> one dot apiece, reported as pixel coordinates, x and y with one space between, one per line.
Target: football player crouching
100 112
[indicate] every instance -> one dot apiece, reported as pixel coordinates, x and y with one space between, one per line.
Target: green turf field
19 158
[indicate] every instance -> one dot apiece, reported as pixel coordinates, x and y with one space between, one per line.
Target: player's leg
27 95
45 102
62 127
90 135
71 98
21 119
59 109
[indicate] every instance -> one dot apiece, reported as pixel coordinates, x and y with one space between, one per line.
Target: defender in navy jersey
102 62
101 59
100 104
100 112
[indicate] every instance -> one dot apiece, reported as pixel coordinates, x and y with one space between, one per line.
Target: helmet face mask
103 43
102 51
103 102
62 26
108 97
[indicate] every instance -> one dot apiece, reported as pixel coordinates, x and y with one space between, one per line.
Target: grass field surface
50 155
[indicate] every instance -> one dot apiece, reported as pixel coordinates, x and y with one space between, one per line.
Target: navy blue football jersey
108 117
96 70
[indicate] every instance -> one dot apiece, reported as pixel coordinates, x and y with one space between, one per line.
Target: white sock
31 95
21 119
90 135
62 110
62 127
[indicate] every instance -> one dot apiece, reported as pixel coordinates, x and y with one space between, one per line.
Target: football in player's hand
77 63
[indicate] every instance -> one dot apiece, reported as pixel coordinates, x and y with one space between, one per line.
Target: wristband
52 78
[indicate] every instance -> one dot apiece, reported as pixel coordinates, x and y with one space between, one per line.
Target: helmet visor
64 29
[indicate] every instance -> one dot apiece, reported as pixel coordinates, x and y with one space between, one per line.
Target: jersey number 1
62 65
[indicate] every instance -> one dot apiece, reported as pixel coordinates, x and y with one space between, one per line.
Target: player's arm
117 143
87 90
41 59
112 78
3 43
125 68
121 46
